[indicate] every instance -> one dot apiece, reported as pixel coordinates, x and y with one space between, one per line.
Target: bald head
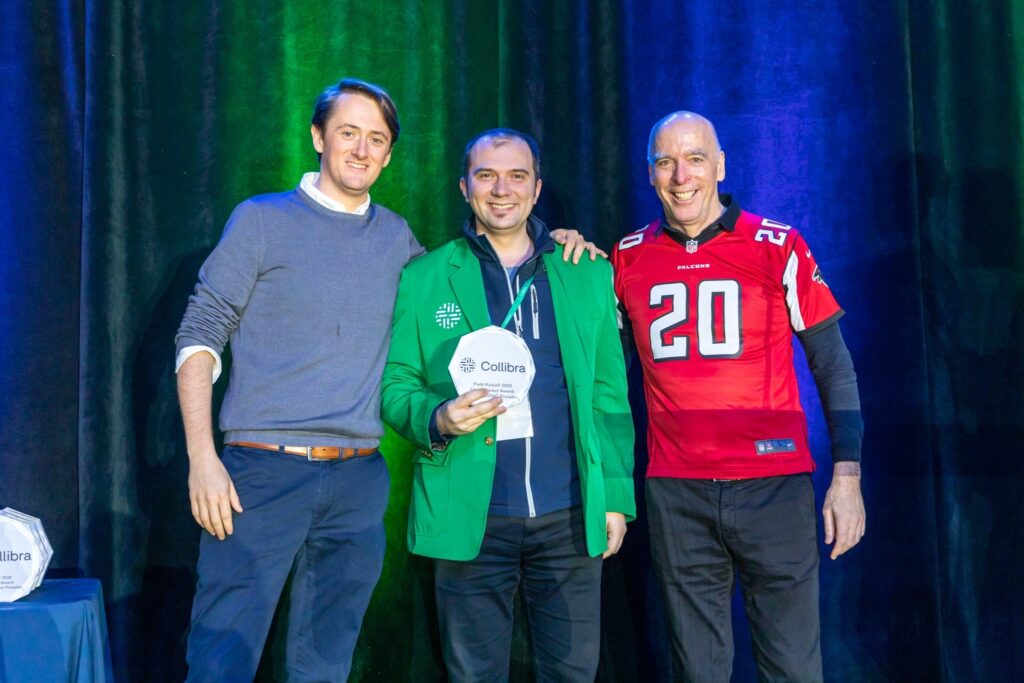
686 163
684 118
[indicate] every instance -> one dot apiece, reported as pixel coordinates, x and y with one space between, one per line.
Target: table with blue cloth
58 632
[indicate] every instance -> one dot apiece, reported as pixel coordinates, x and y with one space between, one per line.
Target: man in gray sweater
302 285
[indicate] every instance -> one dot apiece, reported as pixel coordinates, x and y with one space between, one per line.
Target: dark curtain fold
968 168
888 133
42 81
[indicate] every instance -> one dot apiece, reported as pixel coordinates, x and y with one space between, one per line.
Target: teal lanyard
518 300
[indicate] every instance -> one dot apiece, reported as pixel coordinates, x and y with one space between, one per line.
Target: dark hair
504 134
325 102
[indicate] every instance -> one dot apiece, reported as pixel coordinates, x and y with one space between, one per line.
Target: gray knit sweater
305 296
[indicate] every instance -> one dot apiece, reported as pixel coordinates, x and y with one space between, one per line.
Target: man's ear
721 166
464 188
318 138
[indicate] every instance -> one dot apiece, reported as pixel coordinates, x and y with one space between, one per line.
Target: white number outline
631 240
774 232
671 319
732 309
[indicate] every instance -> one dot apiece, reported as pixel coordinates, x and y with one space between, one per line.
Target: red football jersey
713 323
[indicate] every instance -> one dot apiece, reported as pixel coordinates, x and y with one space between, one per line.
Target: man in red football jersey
713 295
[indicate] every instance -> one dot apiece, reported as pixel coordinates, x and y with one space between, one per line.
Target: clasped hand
463 415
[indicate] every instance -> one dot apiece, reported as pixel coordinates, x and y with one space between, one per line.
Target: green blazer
452 488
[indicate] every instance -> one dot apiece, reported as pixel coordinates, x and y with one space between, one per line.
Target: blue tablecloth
56 633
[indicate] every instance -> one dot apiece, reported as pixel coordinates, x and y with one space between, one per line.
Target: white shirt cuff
190 351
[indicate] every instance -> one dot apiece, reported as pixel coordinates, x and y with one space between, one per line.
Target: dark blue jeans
546 558
703 533
321 521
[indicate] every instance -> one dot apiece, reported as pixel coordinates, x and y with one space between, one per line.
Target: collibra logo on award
448 315
468 365
12 556
488 366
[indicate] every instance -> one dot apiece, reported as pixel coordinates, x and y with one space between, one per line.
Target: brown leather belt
310 452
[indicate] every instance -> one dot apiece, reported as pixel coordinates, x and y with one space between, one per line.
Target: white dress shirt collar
308 185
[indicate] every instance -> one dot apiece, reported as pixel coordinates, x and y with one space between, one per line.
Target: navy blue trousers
705 532
323 522
545 558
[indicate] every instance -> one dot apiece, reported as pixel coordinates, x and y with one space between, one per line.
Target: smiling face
685 167
354 145
500 185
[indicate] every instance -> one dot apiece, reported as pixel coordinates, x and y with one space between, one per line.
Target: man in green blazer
529 497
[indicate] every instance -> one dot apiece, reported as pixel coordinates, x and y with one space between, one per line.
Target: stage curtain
42 111
888 133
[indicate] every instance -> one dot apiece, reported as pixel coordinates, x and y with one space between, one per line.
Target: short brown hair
325 102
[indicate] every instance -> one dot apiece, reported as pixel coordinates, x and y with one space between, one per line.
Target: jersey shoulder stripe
782 248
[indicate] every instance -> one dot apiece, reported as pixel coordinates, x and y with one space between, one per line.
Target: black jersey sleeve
832 368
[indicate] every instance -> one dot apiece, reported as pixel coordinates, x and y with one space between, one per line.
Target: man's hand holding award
492 370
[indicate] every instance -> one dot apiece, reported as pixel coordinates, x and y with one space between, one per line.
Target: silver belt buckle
309 455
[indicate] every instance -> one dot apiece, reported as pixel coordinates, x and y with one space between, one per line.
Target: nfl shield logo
691 246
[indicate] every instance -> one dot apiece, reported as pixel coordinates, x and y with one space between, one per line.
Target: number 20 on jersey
721 340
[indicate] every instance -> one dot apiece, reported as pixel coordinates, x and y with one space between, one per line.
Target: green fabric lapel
467 285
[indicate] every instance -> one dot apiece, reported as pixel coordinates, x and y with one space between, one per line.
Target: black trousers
703 533
545 558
